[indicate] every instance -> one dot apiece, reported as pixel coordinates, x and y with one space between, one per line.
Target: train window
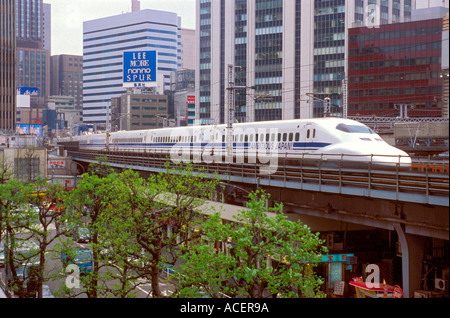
242 138
251 138
285 137
272 138
279 136
354 129
267 137
246 138
297 136
291 136
314 133
307 133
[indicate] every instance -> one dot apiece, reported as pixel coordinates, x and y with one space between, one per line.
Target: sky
68 17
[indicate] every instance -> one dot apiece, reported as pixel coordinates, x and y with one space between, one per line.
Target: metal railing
338 176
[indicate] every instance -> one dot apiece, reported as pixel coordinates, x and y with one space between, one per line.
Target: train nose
389 156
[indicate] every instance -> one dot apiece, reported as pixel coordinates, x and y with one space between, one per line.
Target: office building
33 59
445 68
67 77
105 40
184 97
396 69
188 52
291 53
138 110
7 65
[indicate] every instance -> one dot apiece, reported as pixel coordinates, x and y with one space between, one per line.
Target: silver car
2 254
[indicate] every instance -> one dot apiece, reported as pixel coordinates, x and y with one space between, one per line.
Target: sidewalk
2 294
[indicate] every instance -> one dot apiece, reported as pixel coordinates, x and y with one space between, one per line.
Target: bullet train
322 141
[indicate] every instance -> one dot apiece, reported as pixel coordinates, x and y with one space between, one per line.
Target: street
57 278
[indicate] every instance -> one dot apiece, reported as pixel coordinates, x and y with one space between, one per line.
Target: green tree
93 194
155 218
266 253
49 201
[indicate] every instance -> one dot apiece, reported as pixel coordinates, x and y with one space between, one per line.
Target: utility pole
231 111
326 111
326 104
344 99
403 113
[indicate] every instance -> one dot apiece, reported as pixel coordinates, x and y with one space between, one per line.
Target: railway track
425 182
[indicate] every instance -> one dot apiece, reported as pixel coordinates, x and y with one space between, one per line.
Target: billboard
139 69
25 129
32 91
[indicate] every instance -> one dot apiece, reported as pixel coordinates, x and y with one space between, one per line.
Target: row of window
400 48
399 34
395 63
395 77
396 91
278 137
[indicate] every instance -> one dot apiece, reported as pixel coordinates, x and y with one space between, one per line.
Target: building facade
7 66
290 55
105 40
188 53
396 65
33 59
67 77
445 67
138 111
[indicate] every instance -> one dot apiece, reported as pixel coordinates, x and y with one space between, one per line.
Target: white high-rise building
292 53
105 40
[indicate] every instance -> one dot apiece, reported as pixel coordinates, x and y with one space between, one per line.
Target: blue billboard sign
139 68
33 91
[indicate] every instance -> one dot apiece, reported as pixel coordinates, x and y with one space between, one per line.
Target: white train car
329 141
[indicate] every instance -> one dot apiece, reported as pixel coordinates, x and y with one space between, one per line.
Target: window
354 129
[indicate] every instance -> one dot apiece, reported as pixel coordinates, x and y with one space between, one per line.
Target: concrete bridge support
412 247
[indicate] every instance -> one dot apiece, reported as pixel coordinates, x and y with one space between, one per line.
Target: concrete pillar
412 248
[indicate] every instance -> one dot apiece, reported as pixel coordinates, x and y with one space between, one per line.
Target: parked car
47 292
82 235
81 257
2 254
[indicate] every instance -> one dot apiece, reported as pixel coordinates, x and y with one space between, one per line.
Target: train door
310 133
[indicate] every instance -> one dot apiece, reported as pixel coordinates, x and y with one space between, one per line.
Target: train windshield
354 129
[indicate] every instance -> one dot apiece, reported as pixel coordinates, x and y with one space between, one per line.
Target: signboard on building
56 164
140 68
25 129
23 96
32 91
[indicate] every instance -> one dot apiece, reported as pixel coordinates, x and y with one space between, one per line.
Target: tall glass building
33 60
105 40
291 53
7 64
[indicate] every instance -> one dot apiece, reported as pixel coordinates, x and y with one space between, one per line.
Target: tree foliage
265 254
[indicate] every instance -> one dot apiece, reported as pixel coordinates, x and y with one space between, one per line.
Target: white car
2 254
